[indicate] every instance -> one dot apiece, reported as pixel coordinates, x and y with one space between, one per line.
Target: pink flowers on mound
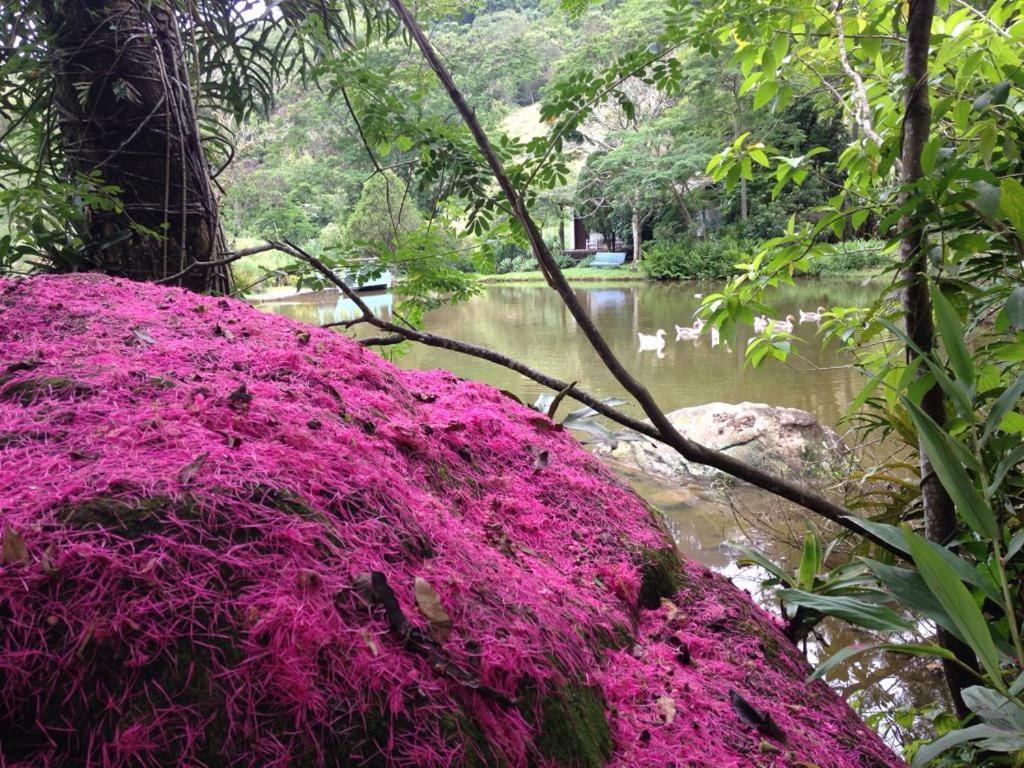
193 496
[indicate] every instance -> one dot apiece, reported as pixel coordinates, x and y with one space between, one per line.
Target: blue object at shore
608 259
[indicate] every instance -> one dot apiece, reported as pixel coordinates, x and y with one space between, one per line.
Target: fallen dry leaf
14 549
430 606
188 473
542 460
370 642
666 707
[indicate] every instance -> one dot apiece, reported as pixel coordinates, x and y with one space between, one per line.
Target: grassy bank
573 274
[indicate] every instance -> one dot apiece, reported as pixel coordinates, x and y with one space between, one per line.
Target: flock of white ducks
656 342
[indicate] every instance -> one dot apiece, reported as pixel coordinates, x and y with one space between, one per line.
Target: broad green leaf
954 478
957 601
867 615
765 93
1015 308
1011 203
995 708
929 752
890 534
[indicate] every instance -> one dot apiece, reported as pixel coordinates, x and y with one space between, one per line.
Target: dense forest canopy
731 139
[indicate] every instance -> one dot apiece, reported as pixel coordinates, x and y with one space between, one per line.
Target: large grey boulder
783 440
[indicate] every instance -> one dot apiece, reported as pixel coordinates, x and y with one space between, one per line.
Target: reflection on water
531 324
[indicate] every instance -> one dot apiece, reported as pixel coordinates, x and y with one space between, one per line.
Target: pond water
531 324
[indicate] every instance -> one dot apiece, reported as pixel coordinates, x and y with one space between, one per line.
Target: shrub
687 258
850 256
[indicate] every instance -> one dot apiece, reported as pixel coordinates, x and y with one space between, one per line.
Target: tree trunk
681 202
637 230
939 512
126 115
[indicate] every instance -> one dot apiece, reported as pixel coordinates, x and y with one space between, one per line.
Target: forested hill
638 165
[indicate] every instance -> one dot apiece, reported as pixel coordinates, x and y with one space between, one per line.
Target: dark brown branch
383 341
667 433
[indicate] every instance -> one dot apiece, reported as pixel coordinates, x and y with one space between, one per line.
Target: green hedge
851 256
685 258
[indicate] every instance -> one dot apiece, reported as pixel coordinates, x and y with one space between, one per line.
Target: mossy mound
229 539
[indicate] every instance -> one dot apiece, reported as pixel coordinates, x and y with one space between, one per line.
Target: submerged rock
229 539
782 440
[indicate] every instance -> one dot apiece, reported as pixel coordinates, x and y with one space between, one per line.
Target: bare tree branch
658 428
798 493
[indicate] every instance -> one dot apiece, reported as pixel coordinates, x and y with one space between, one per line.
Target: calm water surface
531 324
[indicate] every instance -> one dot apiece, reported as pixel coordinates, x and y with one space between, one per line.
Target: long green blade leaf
954 478
845 654
850 609
951 331
1002 406
958 602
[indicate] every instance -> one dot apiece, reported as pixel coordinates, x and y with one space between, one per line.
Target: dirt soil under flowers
230 539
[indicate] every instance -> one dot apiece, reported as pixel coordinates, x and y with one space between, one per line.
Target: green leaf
957 601
929 752
811 561
1015 545
753 557
994 708
952 332
765 93
1015 308
867 615
890 534
911 590
954 478
1011 203
845 654
1002 406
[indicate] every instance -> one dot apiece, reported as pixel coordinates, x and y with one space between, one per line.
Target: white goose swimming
688 333
812 317
784 325
655 342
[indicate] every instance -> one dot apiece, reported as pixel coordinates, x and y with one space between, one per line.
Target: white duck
698 295
655 342
760 323
784 325
687 333
811 317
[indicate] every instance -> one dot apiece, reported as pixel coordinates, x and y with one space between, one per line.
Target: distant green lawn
573 274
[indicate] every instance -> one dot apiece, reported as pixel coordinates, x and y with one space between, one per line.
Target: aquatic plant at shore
230 539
